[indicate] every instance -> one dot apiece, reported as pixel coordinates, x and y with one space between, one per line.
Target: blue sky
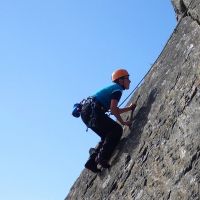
52 55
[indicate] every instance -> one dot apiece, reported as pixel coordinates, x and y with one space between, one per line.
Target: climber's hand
132 106
127 123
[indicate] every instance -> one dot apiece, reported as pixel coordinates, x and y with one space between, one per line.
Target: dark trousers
106 128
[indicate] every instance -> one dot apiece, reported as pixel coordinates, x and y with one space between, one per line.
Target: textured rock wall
159 158
186 7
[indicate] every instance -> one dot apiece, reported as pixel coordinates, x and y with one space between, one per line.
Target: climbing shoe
91 164
102 163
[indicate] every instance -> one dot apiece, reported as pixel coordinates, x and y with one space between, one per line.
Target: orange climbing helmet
119 74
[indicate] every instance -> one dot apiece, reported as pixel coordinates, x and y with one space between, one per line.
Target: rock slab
159 158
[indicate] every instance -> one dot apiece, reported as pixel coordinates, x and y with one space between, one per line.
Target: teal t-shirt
105 95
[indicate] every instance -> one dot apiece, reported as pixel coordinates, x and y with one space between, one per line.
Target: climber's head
121 76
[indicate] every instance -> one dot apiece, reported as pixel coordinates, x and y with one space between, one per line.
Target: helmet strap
120 81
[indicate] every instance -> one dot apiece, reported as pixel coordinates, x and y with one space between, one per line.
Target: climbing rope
136 87
183 15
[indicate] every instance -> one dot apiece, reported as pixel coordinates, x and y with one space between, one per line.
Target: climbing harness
92 116
91 109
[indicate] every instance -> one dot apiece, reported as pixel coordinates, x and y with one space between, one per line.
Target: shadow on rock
130 143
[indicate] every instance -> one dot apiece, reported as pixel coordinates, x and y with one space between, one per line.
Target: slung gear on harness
92 116
77 109
90 110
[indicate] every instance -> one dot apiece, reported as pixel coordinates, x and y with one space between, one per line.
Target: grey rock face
159 158
186 7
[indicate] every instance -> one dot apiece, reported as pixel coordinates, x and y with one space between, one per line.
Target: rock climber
94 115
